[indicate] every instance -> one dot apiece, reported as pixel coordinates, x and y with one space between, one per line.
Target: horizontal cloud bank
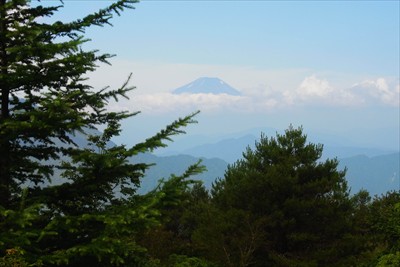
312 91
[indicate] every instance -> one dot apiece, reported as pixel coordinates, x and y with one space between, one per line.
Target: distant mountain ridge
374 170
377 174
207 85
231 149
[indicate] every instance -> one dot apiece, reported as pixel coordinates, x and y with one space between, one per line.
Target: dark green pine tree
93 216
385 229
283 206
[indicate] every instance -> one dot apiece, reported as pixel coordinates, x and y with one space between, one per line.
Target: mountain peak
207 85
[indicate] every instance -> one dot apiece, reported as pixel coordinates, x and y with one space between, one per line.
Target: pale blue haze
332 66
355 36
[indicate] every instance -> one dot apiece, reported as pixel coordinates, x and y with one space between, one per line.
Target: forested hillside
281 205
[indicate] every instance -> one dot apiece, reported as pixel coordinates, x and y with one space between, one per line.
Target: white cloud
262 90
162 103
314 87
167 102
315 91
158 77
312 91
379 90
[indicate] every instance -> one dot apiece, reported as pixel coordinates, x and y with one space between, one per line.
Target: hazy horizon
331 67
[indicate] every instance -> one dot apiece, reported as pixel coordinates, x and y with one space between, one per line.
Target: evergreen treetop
94 215
44 95
295 207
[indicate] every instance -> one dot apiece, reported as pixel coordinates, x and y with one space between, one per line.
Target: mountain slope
375 174
230 149
165 166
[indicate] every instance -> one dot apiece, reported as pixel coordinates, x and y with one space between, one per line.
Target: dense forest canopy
279 206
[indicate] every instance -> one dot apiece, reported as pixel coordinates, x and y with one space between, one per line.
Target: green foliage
281 206
185 261
93 217
178 217
14 258
386 218
44 98
389 260
385 228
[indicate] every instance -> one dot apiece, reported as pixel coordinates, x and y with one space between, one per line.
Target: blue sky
359 36
332 66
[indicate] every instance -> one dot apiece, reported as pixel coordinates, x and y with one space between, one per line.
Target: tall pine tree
282 206
92 217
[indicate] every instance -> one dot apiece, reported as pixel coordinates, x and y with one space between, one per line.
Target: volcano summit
206 85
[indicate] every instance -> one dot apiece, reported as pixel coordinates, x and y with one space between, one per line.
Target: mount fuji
207 85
